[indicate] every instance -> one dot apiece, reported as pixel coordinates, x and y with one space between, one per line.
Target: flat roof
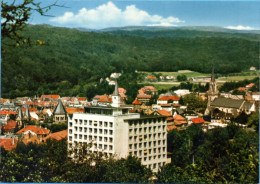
106 107
145 117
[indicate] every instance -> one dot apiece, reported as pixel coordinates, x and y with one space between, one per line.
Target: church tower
116 99
212 92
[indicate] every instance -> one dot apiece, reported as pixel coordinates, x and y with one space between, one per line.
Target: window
154 166
85 137
140 145
163 142
159 142
154 143
130 146
130 138
150 151
105 132
145 158
110 140
90 122
100 146
105 139
159 150
100 131
76 128
85 122
105 124
95 123
150 129
70 124
150 144
135 146
110 147
100 123
110 132
154 150
100 138
80 129
80 121
76 121
145 129
70 145
135 153
140 153
110 124
85 130
145 144
75 136
90 130
140 130
135 138
70 131
105 147
70 138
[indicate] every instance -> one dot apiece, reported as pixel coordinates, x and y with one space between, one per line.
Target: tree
15 17
181 77
253 121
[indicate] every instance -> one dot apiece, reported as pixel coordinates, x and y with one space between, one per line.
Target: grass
236 78
188 73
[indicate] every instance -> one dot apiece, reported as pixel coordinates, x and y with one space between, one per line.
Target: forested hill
71 59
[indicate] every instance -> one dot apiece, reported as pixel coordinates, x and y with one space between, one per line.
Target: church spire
212 74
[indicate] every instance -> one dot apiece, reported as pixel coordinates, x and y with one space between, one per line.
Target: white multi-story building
114 131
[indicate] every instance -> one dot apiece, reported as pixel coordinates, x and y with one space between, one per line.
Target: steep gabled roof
136 102
60 109
82 98
174 98
164 113
8 143
37 130
57 135
144 96
198 120
105 98
11 124
227 102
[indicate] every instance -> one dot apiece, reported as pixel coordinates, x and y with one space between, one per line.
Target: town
113 127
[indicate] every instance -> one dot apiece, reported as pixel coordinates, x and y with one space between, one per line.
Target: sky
100 14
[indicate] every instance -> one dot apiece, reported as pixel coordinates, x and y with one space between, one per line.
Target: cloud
239 27
109 15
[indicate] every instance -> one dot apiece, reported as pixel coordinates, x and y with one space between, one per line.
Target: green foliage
221 155
181 77
228 86
75 60
253 121
50 163
194 102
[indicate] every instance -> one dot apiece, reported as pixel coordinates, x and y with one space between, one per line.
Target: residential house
59 113
37 131
57 135
8 143
9 128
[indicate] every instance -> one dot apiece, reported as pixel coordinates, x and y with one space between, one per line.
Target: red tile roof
8 143
8 112
11 124
198 120
82 98
141 91
164 113
97 97
37 130
241 89
30 109
174 98
136 102
28 103
250 85
144 96
149 88
121 90
172 127
3 100
178 117
151 77
50 96
105 98
57 135
73 110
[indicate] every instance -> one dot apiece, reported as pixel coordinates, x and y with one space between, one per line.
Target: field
188 73
236 78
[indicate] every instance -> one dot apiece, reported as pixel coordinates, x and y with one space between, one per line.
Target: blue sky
98 14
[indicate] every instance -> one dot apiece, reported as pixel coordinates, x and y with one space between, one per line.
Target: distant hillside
71 59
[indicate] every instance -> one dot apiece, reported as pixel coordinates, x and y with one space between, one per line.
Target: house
256 96
96 99
189 114
8 143
37 131
179 121
201 122
168 100
104 100
215 125
50 97
250 85
137 104
144 98
10 127
57 135
182 92
252 68
151 78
